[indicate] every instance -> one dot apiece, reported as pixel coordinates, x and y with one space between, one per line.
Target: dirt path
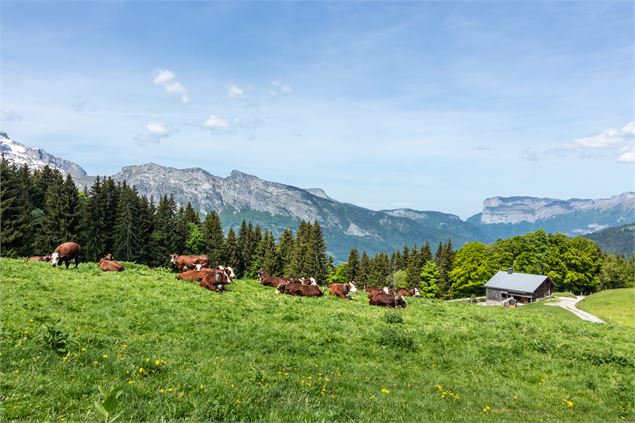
569 304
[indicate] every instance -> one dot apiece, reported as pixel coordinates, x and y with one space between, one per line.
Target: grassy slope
615 306
251 355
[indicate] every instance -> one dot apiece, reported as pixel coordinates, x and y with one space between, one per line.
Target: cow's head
352 287
313 281
400 302
108 256
261 274
173 259
198 266
47 257
386 291
55 258
230 273
416 294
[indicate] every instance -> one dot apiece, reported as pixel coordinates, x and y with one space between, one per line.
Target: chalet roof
518 282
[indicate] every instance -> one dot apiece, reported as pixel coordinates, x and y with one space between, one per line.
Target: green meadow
141 345
614 306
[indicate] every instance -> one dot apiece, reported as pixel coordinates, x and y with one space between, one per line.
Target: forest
41 209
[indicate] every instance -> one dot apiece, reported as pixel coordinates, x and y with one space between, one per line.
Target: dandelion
141 370
181 394
96 363
487 409
232 385
130 382
237 401
568 403
105 356
83 349
157 362
384 391
170 389
147 359
17 371
162 390
201 386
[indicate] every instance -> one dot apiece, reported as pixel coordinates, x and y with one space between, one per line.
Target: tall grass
141 345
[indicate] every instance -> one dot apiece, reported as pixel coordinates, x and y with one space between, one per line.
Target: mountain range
276 206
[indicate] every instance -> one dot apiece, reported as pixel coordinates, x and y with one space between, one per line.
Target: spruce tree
164 234
146 228
213 238
285 251
364 271
14 212
300 266
353 265
232 256
317 248
127 243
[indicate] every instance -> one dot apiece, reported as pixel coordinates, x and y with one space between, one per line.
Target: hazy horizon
422 105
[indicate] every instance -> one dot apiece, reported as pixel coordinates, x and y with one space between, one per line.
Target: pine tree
266 256
110 199
285 251
164 234
445 257
318 261
214 238
413 271
94 225
127 244
146 228
405 258
190 215
232 256
364 270
14 212
300 264
425 253
353 265
182 231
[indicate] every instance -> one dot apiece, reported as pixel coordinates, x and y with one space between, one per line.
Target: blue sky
427 105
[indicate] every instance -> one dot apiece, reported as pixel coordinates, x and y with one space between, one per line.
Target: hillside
619 240
615 306
251 355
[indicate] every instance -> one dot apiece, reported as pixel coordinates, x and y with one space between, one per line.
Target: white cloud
155 131
217 123
234 91
279 87
167 79
157 128
9 115
606 139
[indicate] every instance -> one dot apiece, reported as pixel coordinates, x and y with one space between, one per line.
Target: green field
84 345
614 306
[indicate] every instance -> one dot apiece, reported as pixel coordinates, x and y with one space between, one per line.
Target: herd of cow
196 268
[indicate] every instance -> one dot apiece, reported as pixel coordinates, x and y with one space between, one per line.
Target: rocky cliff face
511 210
36 158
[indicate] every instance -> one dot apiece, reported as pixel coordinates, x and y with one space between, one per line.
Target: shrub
397 338
392 317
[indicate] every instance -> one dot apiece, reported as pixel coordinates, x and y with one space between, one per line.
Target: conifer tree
300 265
145 230
364 270
353 265
164 234
213 238
285 251
110 200
14 212
405 258
232 256
318 267
413 271
126 237
94 225
190 215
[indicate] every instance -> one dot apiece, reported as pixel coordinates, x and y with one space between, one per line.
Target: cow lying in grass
300 289
189 262
198 275
403 292
386 300
107 264
373 291
342 290
40 258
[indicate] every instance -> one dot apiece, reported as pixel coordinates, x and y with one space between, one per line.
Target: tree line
574 264
41 209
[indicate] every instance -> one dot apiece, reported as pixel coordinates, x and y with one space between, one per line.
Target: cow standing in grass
66 252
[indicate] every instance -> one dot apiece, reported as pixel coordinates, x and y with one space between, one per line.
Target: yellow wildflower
162 390
17 371
201 386
157 362
487 409
141 370
384 391
568 403
147 359
237 401
130 382
170 389
83 349
104 356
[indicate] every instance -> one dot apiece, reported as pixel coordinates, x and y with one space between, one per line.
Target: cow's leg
67 263
76 262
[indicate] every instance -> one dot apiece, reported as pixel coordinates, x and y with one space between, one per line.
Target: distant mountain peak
319 192
36 158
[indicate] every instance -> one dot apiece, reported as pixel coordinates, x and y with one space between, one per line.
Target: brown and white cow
65 253
373 291
110 265
189 262
386 300
403 292
299 289
214 281
40 258
269 280
342 290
